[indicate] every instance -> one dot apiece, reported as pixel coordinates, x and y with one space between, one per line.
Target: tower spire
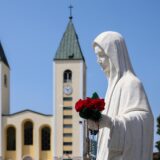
69 48
2 55
70 9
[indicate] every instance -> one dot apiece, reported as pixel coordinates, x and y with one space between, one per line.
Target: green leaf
95 115
95 95
85 113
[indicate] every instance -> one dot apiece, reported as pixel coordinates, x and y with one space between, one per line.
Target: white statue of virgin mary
126 126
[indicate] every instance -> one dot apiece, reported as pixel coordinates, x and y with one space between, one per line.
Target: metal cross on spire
70 8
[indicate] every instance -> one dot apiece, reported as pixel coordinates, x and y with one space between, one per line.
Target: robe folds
126 127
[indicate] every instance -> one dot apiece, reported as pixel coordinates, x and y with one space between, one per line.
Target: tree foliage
158 142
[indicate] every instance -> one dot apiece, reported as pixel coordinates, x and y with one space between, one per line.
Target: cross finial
70 8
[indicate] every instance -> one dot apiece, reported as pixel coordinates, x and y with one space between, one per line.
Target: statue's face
102 59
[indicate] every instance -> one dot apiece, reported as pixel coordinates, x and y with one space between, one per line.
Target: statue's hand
105 121
92 124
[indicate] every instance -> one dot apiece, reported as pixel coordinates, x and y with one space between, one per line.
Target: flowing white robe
126 132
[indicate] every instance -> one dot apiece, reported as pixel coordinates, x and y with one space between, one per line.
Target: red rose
98 104
79 105
86 103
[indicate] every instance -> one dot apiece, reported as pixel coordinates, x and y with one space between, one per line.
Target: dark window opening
67 98
5 80
67 134
67 108
46 138
67 116
11 139
67 76
67 143
28 133
67 152
67 126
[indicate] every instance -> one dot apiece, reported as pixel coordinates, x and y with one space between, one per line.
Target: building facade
30 135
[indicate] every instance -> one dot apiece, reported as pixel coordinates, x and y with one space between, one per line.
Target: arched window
27 158
45 138
28 133
5 80
67 76
11 139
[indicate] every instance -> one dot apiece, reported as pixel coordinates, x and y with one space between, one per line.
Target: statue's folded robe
127 123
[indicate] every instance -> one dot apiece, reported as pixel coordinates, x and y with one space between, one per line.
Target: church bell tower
69 75
4 90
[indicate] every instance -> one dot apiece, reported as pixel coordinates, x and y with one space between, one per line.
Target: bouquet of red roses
90 108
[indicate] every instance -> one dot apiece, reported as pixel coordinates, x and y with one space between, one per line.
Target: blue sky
30 32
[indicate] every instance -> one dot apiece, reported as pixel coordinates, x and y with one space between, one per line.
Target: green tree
158 132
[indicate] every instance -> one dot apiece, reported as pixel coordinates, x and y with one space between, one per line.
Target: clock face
67 90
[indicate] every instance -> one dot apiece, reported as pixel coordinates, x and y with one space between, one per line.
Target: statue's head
102 59
112 53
